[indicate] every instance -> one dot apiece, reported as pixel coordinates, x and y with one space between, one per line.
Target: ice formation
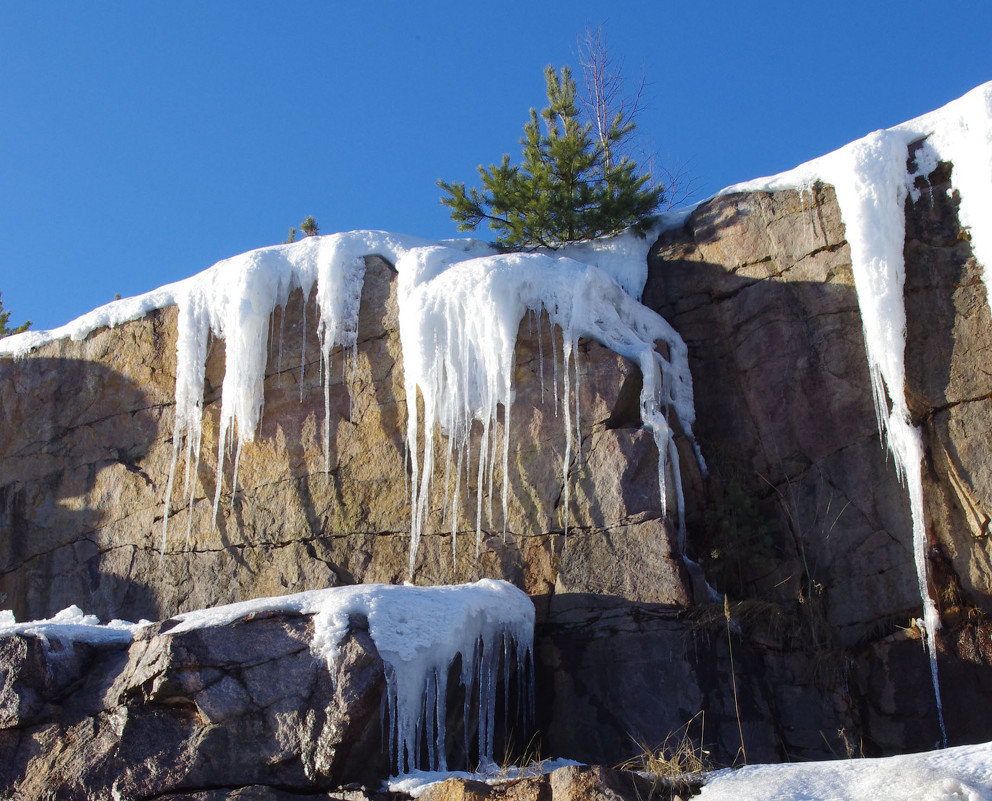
418 631
872 182
460 308
459 328
235 300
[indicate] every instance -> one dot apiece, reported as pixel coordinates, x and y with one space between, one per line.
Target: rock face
800 518
802 506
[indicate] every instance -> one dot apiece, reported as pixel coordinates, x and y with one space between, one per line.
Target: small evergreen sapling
4 330
309 227
569 187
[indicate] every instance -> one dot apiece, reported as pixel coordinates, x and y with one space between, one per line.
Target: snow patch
954 774
71 625
416 782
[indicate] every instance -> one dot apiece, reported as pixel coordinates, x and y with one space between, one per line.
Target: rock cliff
800 519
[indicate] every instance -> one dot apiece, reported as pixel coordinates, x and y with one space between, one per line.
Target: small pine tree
291 238
309 227
569 187
6 332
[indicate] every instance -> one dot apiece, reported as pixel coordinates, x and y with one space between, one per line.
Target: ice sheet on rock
418 631
459 327
460 308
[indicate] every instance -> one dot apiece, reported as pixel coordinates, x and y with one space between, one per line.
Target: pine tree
309 227
4 316
569 187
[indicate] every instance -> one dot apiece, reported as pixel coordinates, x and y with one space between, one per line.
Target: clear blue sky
142 142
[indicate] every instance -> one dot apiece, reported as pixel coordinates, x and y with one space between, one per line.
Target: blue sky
142 142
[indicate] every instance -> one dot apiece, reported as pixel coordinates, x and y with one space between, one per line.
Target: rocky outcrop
569 783
238 706
800 519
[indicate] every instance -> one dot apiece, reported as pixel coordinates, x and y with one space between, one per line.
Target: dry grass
675 766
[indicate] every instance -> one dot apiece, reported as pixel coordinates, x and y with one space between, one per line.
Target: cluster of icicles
484 631
460 307
420 633
872 184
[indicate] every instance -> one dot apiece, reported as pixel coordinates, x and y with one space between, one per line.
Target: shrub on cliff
573 183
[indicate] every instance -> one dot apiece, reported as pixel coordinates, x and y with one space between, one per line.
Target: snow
953 774
872 182
71 625
418 632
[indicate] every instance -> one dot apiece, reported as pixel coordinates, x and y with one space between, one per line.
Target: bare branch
607 102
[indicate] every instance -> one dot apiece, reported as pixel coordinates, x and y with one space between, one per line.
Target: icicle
303 349
459 331
234 479
507 390
189 506
454 507
554 362
578 419
540 351
870 181
506 680
480 482
566 352
282 325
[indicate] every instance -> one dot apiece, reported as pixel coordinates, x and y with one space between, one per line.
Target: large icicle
459 327
869 178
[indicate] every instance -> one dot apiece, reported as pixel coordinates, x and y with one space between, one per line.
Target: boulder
246 705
